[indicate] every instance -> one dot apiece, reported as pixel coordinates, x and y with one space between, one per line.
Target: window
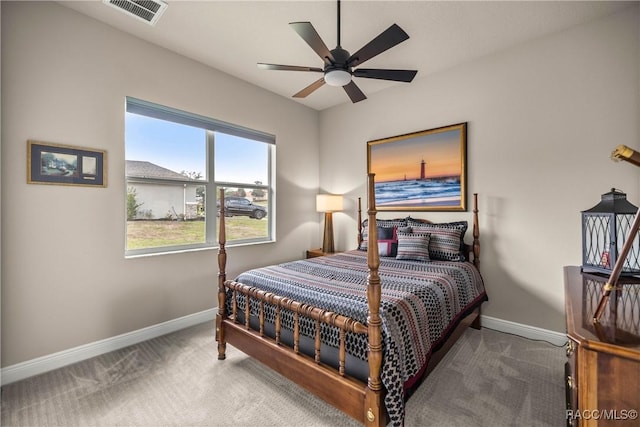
176 162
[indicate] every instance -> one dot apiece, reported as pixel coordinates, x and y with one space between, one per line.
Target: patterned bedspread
421 302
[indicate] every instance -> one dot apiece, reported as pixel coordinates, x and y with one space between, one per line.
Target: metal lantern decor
605 227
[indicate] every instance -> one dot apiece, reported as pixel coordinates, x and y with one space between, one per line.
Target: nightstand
312 253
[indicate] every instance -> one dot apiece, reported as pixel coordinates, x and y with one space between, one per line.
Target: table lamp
328 203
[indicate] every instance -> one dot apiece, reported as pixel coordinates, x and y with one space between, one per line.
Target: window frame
210 126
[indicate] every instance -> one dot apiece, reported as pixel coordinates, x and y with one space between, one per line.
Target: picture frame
59 164
421 171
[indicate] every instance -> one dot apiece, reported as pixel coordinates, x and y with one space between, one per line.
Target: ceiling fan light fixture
337 77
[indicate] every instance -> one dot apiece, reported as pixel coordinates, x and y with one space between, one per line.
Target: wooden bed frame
362 401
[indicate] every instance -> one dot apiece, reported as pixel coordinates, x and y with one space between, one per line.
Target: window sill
199 249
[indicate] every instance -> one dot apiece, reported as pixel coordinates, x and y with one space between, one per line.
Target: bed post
476 324
374 410
359 222
476 233
222 276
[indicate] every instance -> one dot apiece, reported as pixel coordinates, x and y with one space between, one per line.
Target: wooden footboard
328 383
361 401
320 316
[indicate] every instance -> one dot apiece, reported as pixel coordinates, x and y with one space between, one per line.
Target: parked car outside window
242 207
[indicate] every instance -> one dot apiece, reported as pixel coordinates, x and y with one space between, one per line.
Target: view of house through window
176 163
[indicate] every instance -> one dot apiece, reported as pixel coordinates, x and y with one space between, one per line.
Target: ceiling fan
339 65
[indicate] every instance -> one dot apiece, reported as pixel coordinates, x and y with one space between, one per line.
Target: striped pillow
461 225
444 244
413 246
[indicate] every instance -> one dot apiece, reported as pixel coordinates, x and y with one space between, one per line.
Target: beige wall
65 281
542 120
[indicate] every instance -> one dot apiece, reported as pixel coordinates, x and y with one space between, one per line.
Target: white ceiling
232 36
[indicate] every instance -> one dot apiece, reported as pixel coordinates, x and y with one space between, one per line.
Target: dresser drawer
571 382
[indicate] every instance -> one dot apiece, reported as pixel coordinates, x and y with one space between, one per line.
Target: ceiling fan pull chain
339 45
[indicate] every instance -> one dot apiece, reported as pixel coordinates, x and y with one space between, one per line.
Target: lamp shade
328 202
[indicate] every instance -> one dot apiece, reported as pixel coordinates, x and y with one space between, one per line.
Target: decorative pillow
404 229
387 241
387 233
413 246
444 244
460 225
380 223
387 248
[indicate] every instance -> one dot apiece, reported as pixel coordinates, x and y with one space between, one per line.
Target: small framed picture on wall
59 164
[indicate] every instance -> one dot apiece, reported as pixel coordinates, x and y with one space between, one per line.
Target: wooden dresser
603 368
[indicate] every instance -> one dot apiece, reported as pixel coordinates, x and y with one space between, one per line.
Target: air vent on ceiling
148 11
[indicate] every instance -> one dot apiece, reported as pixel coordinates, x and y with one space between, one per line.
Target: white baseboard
53 361
50 362
526 331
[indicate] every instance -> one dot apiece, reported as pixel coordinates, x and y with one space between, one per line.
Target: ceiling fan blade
311 36
310 89
354 92
287 67
386 40
395 75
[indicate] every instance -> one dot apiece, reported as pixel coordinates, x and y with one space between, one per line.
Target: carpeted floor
487 379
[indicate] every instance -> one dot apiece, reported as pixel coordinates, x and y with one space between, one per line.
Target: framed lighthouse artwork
420 171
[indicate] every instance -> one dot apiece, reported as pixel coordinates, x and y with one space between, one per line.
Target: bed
358 329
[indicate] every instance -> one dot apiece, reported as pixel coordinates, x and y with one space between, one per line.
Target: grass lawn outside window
153 233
